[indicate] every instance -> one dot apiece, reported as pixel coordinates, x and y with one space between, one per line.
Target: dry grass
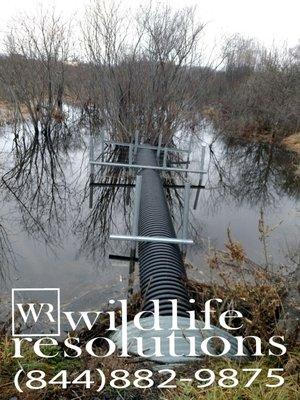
183 391
257 391
5 113
211 113
8 113
261 302
292 142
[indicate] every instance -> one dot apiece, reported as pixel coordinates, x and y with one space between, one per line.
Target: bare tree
142 73
33 74
257 92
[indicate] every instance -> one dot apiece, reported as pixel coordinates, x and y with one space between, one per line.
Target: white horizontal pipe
152 239
123 165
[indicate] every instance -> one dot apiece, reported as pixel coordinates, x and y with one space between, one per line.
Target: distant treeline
154 81
256 93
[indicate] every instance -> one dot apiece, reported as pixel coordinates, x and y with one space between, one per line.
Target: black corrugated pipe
162 271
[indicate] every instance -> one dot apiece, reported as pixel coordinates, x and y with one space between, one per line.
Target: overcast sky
266 20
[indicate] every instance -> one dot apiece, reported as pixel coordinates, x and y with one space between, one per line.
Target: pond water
244 179
57 241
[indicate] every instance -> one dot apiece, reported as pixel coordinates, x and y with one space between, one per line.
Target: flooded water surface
54 240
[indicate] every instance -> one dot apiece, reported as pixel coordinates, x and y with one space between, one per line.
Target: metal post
185 223
130 154
159 147
190 145
102 146
189 153
130 172
135 224
186 202
203 150
136 142
165 158
136 206
92 169
130 158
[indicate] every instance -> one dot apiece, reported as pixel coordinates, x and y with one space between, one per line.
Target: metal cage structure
136 167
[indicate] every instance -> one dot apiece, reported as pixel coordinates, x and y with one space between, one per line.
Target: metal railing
132 165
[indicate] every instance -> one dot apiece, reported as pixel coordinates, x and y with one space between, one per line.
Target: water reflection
257 174
111 211
43 181
46 178
110 204
36 179
245 178
7 257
